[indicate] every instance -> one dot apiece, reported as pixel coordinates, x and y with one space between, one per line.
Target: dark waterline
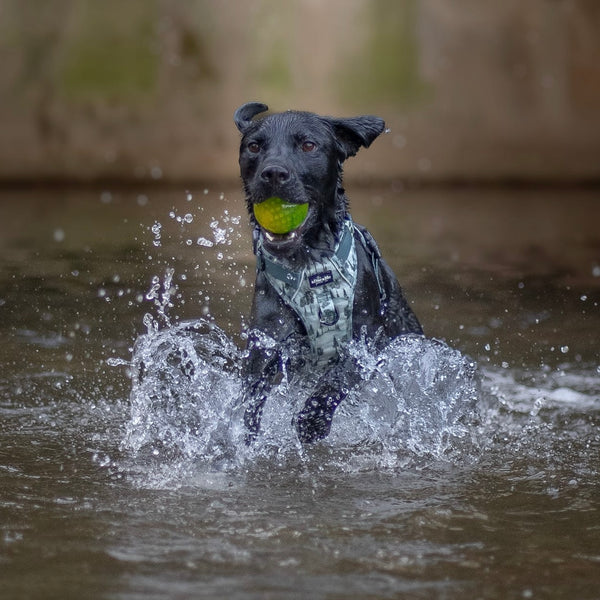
509 277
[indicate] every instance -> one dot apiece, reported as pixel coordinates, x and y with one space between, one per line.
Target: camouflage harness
322 293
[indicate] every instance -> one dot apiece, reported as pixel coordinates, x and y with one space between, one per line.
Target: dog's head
297 157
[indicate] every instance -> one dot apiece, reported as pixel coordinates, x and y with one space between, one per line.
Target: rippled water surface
465 466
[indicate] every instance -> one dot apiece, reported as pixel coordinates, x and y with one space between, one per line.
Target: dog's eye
308 146
253 147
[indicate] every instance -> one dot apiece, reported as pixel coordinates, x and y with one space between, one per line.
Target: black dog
322 284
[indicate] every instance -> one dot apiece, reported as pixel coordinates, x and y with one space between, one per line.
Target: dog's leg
313 422
254 401
260 377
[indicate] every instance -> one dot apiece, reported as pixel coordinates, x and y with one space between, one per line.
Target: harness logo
319 279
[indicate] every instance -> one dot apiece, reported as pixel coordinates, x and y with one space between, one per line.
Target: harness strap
293 279
370 245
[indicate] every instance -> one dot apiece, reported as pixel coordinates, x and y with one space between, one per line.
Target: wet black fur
298 156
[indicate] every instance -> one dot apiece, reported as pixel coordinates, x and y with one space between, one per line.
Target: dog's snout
275 174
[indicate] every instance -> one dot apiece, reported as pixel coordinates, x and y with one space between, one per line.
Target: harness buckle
329 317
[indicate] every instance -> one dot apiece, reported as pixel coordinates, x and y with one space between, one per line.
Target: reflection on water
109 493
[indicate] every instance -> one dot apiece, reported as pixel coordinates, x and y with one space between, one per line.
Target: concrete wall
145 89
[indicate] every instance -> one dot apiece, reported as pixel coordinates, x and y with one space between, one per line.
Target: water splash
421 398
418 398
156 232
161 293
185 380
419 403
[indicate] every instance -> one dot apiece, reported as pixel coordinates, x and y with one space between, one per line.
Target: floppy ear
353 133
243 115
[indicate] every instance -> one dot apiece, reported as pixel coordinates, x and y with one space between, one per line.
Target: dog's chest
322 295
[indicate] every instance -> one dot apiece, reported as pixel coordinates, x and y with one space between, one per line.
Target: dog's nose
274 174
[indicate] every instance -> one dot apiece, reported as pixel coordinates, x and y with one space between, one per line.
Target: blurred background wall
481 90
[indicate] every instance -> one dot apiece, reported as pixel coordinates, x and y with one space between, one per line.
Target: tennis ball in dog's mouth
278 216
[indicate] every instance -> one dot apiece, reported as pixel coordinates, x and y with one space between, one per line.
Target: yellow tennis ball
278 216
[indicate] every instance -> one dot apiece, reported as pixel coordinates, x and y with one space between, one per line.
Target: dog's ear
355 132
243 115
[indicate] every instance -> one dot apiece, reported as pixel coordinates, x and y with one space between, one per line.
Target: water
438 480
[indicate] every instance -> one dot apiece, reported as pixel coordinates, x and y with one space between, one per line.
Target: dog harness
322 293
